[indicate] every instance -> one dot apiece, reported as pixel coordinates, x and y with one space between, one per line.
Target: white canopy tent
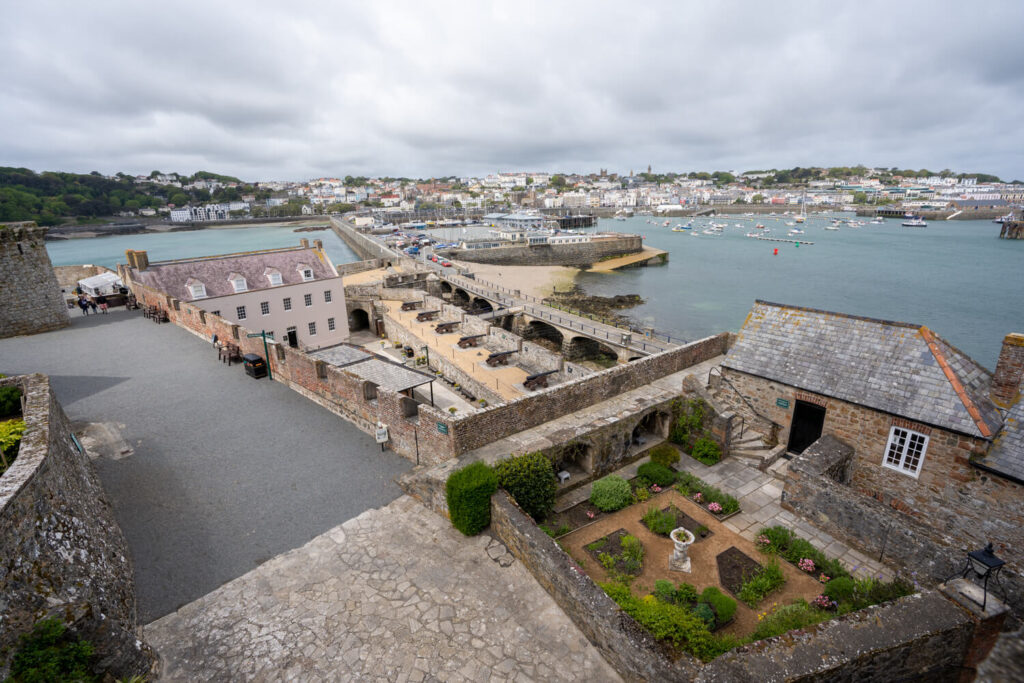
104 283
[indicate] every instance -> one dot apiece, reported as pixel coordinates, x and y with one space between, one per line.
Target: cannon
426 315
471 340
411 305
538 381
445 328
499 358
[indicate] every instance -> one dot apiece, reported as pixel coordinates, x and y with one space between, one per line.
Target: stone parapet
30 297
64 554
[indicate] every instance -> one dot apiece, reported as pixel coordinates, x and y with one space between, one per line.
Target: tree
529 181
758 199
860 197
558 182
178 199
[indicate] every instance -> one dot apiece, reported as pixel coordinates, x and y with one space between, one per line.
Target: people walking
92 305
83 304
102 301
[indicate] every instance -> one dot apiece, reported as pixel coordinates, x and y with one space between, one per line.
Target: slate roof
897 368
372 368
1006 456
171 277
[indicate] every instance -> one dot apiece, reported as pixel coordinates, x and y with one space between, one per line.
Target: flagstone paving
394 594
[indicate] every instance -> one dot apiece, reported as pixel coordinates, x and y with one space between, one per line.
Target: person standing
102 301
83 304
92 305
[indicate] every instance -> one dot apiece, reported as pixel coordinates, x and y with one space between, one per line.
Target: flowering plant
806 564
655 488
763 540
824 579
590 514
698 497
714 507
822 602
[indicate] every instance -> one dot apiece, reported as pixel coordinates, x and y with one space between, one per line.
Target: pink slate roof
172 277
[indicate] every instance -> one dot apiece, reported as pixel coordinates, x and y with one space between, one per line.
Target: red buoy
776 252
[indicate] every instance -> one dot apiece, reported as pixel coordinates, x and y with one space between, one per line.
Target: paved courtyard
395 594
210 472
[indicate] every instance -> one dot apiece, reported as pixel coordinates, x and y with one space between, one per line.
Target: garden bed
618 552
734 568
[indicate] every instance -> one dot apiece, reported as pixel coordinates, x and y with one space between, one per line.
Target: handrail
743 398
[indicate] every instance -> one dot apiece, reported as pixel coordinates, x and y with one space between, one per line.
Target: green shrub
689 425
664 591
839 589
870 591
530 479
611 493
707 451
765 580
686 594
468 493
656 474
659 522
706 614
51 653
793 548
688 483
664 454
724 606
675 624
632 554
555 532
786 618
10 401
11 432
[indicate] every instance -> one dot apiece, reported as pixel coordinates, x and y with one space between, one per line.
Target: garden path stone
393 594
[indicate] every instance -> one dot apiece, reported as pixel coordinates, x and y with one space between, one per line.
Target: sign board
442 427
782 402
381 434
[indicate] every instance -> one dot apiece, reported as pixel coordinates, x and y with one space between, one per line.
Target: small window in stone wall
905 451
240 312
312 329
330 324
265 307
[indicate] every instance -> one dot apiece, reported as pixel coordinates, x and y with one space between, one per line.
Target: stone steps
762 458
779 468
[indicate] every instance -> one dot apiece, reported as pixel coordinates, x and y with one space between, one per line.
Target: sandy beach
538 281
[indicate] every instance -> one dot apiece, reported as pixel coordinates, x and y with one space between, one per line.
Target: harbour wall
577 255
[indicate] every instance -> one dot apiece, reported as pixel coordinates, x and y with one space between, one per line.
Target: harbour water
956 277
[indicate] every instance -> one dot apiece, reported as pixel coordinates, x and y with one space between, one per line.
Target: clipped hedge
656 474
724 606
706 451
664 454
468 492
611 493
530 479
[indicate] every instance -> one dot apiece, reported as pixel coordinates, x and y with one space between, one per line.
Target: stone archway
587 349
461 297
481 305
544 334
446 288
358 320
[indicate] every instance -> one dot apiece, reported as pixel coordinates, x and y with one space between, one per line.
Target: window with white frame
312 329
197 290
308 299
240 312
330 324
905 450
238 282
274 277
327 296
265 307
215 312
287 303
307 273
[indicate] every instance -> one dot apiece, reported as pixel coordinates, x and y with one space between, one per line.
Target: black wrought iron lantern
985 566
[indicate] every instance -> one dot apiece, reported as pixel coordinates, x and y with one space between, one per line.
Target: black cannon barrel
530 378
499 354
472 336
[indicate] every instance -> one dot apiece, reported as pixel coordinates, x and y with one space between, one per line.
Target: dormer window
274 276
237 282
306 272
197 289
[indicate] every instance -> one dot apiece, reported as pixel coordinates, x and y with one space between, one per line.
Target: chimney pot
304 242
1009 372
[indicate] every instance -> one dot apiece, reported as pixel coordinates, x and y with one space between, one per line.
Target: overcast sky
286 90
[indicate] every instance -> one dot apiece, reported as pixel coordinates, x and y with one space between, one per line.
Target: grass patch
767 579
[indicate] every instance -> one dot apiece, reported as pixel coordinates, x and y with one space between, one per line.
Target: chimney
319 244
137 259
1009 371
304 242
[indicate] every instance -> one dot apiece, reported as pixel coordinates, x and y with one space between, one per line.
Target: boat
832 227
915 222
1003 219
679 228
665 224
759 226
878 221
790 223
796 231
752 234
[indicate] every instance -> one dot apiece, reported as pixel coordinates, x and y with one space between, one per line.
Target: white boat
752 234
878 221
796 231
832 227
915 222
790 223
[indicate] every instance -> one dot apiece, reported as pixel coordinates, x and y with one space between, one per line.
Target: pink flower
763 540
806 564
824 579
698 497
822 602
590 514
655 488
714 507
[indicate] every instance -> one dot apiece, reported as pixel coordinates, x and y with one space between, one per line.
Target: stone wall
64 556
363 246
919 637
68 276
30 298
961 506
529 411
358 266
578 255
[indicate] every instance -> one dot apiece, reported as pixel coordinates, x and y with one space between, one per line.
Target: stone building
30 299
935 436
294 294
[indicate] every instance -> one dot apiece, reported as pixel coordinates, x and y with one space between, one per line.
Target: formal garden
735 591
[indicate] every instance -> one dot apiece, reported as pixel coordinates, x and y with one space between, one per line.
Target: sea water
956 277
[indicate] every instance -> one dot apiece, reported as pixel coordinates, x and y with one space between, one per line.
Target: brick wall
529 411
30 300
64 555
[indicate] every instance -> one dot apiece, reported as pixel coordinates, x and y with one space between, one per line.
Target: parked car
446 264
433 257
